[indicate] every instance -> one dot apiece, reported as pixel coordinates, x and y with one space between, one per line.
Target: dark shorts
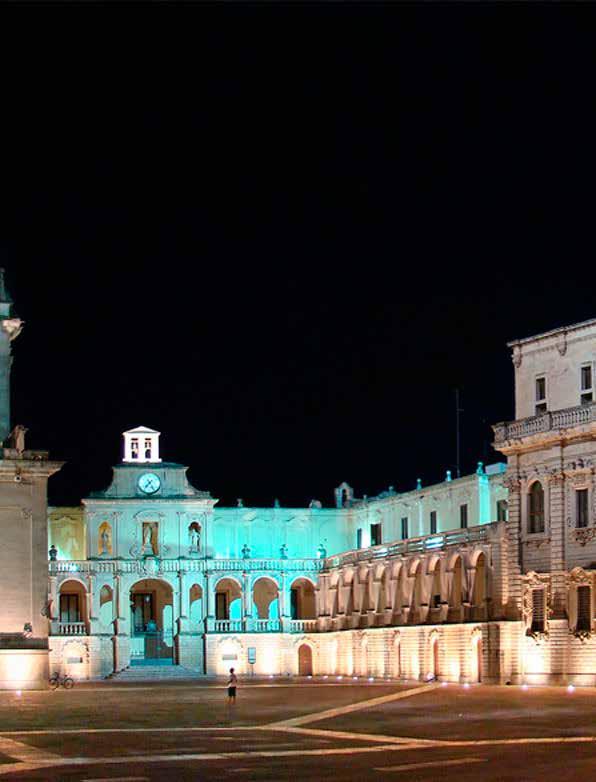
231 692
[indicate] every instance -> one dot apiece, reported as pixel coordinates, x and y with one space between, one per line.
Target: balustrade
72 628
427 543
559 419
303 625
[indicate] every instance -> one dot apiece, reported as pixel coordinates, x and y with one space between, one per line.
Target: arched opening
195 608
152 623
302 599
106 611
265 595
479 592
536 508
304 660
457 585
416 594
228 599
435 595
72 608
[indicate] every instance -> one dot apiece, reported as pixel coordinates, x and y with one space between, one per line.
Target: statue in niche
194 535
17 439
105 539
321 551
53 552
245 551
283 552
149 538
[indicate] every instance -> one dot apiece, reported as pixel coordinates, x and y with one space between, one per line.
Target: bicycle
65 681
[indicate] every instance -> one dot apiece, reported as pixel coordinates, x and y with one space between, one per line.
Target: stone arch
228 598
479 586
106 606
435 585
265 597
305 659
302 599
456 595
195 604
73 606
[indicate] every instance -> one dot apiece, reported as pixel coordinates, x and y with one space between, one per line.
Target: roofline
553 332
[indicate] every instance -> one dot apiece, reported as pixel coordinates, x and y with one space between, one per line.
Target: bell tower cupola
141 445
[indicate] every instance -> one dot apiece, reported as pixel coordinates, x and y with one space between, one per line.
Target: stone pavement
315 729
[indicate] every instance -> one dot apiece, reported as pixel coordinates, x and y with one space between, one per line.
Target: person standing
232 683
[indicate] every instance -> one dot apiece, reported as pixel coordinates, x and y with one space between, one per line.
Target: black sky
284 234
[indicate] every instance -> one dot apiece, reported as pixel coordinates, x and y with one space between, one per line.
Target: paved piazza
316 729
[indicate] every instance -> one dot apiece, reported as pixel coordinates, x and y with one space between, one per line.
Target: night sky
283 235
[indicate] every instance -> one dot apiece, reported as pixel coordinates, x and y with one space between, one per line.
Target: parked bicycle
61 681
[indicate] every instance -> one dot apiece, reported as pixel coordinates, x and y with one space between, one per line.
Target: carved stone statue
194 534
283 552
245 552
148 538
321 551
17 438
53 553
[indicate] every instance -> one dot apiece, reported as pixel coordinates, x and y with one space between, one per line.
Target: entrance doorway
304 660
151 623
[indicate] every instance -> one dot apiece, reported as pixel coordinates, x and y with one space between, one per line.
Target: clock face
149 483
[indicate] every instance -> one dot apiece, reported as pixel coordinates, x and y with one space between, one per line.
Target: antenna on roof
458 410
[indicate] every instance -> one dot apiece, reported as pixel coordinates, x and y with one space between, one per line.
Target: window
134 448
586 384
404 528
375 535
581 508
147 448
584 608
358 538
433 522
536 508
463 516
538 611
501 510
540 395
69 608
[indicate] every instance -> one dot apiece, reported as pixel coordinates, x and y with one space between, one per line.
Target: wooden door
304 660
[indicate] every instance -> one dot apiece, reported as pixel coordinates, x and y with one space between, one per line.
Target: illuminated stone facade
489 577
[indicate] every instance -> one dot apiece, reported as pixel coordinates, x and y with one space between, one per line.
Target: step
156 672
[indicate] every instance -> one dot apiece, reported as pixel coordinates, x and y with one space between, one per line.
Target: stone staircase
151 673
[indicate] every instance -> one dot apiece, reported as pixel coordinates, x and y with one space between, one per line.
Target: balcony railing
421 545
72 628
136 566
546 422
303 625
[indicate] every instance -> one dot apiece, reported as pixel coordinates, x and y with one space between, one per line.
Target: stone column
246 596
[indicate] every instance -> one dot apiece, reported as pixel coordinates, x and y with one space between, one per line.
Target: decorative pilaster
558 585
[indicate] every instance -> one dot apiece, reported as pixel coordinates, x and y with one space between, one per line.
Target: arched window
536 508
